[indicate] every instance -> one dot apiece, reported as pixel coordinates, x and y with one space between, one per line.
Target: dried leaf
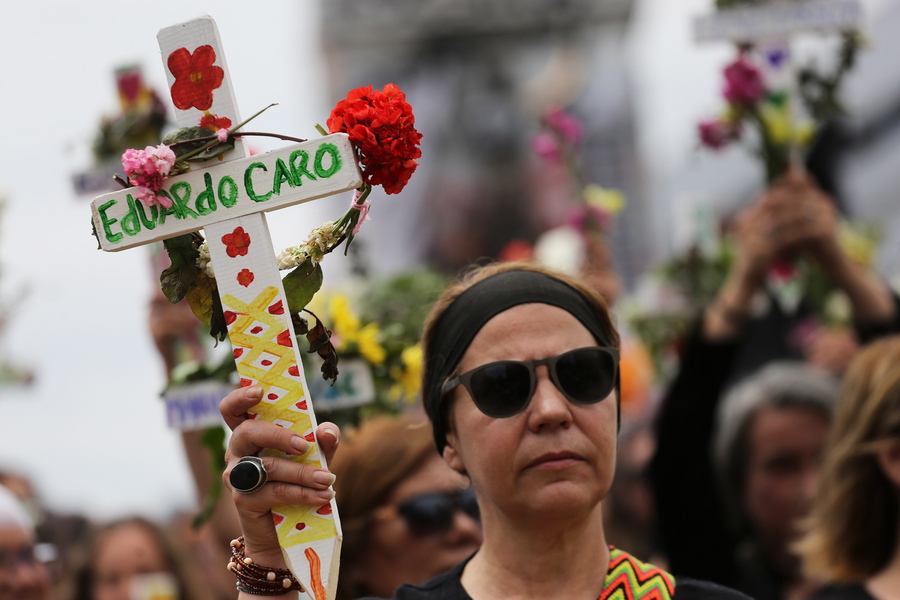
189 139
176 280
320 342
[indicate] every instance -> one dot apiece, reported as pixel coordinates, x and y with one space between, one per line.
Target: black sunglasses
432 513
504 388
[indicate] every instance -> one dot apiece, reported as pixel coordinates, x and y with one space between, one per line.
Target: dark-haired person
520 383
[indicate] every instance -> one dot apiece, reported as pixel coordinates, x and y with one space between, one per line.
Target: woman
135 559
853 534
520 386
406 516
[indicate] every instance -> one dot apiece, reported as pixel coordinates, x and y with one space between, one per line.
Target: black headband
472 309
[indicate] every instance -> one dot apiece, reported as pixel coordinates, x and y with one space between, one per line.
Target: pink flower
148 169
222 134
564 124
363 211
583 218
717 133
743 82
148 198
544 145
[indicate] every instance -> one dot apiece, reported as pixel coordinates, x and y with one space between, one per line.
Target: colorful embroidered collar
630 579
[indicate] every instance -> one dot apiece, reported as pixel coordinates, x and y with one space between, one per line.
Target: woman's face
123 554
553 458
784 453
396 555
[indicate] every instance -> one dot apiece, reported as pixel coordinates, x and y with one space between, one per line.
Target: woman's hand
289 482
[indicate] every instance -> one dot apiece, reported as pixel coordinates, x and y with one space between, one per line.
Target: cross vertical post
228 199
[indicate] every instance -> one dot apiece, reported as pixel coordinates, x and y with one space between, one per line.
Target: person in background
406 516
22 575
852 537
135 559
732 340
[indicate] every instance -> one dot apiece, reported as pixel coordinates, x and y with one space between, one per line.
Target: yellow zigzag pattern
295 524
631 579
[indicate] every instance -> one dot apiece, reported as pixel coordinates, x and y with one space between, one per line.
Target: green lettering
230 198
298 170
130 223
248 182
206 200
282 174
107 222
321 171
148 223
164 212
181 195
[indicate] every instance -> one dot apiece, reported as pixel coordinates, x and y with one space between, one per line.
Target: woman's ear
889 460
451 456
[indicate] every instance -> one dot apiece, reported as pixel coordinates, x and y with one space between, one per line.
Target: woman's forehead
528 329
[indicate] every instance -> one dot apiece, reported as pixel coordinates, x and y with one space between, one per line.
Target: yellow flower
803 133
858 246
612 201
408 377
777 122
368 344
345 324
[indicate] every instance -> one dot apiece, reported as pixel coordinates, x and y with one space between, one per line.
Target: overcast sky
91 430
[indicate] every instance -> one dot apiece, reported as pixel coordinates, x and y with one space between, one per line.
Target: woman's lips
556 460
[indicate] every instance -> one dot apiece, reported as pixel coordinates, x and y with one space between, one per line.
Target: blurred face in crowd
22 577
406 544
784 451
124 554
555 456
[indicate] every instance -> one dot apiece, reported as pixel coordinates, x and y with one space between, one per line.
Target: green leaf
301 284
191 139
177 280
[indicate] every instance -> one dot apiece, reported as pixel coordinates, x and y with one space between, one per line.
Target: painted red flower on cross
237 243
381 125
195 77
245 277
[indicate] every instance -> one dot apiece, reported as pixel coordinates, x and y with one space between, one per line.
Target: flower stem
214 139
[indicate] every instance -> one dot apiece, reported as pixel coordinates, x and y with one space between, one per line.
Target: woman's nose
548 407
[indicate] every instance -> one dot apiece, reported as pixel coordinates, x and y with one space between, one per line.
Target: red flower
237 242
743 82
195 77
716 133
381 126
214 123
245 277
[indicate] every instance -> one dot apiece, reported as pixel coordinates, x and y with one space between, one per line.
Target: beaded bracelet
258 580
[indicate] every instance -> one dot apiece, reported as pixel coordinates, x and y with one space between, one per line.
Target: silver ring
248 475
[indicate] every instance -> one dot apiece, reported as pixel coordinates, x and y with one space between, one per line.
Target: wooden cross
228 200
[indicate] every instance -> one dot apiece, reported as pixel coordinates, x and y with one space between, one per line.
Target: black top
853 591
449 587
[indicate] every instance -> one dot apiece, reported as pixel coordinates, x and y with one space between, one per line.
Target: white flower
204 263
292 257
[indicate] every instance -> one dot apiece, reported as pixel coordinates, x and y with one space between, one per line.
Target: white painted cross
227 200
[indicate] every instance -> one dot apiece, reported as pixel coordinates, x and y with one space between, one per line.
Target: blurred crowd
765 464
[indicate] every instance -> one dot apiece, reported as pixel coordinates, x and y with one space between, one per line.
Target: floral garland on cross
380 125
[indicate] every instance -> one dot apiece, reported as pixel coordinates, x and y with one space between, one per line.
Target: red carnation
381 126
